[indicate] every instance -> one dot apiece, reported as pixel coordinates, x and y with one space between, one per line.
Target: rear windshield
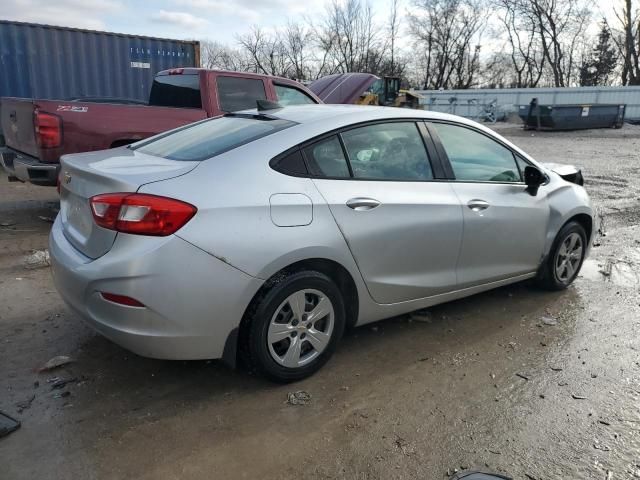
181 91
212 137
236 93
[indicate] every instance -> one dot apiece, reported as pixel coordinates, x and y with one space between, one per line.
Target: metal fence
471 103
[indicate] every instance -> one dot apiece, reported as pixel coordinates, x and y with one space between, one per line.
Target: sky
179 19
220 20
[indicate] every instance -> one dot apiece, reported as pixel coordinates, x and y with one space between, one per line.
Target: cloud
251 11
69 13
179 19
284 7
221 8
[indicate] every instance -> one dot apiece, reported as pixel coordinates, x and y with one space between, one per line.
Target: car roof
320 118
343 115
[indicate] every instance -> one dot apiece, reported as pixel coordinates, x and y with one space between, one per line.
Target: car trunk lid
83 176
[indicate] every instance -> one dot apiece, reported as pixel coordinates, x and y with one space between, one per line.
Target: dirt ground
534 384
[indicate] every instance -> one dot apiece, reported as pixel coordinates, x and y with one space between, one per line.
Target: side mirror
533 177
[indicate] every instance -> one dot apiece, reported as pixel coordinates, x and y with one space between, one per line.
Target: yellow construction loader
387 92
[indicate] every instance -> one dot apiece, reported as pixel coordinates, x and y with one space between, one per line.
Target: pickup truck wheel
294 327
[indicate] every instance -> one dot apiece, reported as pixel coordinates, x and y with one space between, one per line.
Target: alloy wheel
301 327
568 257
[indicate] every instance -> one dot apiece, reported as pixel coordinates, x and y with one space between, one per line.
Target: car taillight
140 213
48 129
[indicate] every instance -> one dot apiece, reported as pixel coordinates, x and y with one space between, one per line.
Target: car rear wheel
565 259
294 326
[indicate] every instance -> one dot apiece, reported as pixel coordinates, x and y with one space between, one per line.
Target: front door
504 225
403 228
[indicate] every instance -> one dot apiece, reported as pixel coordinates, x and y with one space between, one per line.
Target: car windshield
212 137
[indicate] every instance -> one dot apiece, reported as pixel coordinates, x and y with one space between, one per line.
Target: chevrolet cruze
262 235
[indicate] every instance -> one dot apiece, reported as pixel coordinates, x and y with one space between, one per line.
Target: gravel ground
535 384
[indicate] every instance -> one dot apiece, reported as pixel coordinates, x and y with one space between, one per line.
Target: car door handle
361 204
478 205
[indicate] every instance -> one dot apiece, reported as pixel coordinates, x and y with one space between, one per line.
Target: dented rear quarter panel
236 226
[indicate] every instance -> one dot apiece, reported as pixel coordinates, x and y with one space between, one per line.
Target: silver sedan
262 235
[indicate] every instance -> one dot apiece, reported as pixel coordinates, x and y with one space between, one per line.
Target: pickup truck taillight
140 213
48 128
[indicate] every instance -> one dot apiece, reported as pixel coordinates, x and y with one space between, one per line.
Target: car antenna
267 105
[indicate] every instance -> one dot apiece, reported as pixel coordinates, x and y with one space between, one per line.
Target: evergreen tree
597 68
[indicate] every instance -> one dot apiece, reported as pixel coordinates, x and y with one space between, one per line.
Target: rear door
504 225
402 225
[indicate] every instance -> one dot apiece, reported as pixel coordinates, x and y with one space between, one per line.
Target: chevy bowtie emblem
67 177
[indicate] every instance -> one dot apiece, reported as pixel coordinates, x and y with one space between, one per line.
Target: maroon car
38 132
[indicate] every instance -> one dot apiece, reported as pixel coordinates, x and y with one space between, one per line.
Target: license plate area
77 215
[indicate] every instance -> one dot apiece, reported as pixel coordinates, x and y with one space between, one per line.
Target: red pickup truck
37 132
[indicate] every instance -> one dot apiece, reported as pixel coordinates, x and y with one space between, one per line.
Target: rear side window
326 159
236 93
212 137
387 151
292 96
180 91
290 164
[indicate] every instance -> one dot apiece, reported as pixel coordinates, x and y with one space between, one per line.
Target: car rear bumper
28 169
193 301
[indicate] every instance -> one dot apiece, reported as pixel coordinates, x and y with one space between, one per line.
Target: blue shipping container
44 61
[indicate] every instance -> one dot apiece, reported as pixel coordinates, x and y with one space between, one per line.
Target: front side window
235 93
387 151
476 157
207 139
326 159
292 96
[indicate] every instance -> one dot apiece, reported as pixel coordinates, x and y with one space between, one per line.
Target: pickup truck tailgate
16 115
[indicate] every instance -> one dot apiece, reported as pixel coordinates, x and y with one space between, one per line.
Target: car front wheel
294 326
565 259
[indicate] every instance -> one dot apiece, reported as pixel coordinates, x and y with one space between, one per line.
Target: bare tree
268 52
545 42
523 43
627 40
448 31
216 55
349 39
497 71
286 52
547 37
394 28
297 48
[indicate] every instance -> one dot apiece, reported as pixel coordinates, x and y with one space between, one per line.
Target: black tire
548 276
255 349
